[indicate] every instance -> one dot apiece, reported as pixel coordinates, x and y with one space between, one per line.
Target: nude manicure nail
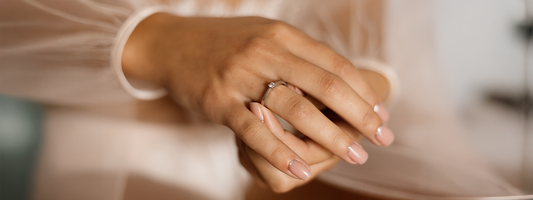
357 153
299 170
384 135
381 111
271 121
296 89
254 107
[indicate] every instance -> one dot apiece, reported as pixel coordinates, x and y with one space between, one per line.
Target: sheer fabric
99 136
82 39
58 52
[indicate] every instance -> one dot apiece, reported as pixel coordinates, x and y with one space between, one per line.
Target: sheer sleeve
68 52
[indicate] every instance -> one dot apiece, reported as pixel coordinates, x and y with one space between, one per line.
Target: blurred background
20 136
485 61
484 58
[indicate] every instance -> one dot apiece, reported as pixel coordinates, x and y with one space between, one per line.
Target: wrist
139 57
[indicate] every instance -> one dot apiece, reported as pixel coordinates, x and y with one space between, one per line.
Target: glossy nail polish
271 121
357 154
382 112
295 89
384 135
254 107
299 170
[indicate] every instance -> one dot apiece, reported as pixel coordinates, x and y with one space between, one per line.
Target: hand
318 158
218 65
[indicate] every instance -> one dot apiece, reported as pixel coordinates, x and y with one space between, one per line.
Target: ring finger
305 117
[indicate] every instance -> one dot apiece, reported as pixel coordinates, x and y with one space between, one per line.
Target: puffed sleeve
68 52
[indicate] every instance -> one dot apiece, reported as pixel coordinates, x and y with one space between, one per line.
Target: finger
315 102
336 94
252 131
279 182
309 150
314 152
295 89
321 55
324 57
347 128
381 87
247 163
305 117
325 165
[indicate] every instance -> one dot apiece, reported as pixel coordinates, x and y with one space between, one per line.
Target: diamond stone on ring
271 86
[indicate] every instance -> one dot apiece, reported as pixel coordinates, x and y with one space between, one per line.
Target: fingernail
296 89
381 111
254 107
271 121
384 135
357 153
299 170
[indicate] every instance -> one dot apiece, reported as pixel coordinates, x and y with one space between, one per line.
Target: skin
318 158
217 66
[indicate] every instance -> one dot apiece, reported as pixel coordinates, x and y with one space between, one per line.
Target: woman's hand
218 65
318 158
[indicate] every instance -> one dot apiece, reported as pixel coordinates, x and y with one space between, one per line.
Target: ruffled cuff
138 89
387 72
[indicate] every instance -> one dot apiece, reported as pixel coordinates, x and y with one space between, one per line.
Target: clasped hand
220 66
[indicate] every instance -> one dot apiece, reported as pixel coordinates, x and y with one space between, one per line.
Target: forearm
142 50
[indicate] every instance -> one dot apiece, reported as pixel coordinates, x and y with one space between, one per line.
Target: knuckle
253 45
231 63
278 27
256 47
214 97
331 86
229 69
298 108
250 133
229 119
370 120
337 140
275 154
341 67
